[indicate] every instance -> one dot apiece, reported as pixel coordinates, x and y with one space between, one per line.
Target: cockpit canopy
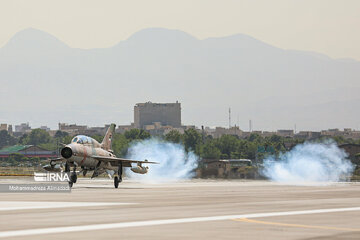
81 139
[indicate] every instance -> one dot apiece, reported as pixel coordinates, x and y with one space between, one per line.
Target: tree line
254 146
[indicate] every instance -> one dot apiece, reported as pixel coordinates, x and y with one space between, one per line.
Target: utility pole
229 118
203 134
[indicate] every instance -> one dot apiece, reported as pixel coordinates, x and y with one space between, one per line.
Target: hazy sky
326 26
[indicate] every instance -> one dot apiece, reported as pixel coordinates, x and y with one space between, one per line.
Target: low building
220 131
226 168
123 128
28 151
268 133
307 135
46 128
95 131
331 132
72 129
285 133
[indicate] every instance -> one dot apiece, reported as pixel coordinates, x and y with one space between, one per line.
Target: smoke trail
175 163
309 162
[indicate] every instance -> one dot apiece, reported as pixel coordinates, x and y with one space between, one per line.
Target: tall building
168 114
22 128
3 126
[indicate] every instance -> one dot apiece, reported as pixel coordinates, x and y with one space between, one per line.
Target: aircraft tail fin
106 142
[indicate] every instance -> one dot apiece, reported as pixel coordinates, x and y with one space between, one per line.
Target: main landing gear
73 176
118 176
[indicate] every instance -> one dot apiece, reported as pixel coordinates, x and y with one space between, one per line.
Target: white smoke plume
309 163
174 162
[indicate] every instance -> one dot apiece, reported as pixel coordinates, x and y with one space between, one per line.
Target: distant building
285 133
331 132
226 168
3 126
10 129
72 129
6 127
123 128
23 128
45 128
167 114
307 135
95 130
347 133
220 131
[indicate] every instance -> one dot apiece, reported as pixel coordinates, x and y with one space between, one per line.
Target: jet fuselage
80 150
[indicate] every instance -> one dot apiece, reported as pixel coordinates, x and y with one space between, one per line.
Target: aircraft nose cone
66 152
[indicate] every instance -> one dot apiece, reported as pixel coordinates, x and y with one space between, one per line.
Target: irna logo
52 177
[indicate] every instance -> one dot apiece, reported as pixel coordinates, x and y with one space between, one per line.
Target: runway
196 209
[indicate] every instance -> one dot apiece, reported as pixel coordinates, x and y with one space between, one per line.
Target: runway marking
296 225
39 231
22 205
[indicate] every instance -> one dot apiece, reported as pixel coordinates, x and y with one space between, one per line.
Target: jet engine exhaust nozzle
66 152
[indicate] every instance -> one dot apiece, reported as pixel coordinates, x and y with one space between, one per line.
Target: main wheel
71 184
120 172
116 182
73 177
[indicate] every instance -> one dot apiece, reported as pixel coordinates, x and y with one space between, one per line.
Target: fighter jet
89 155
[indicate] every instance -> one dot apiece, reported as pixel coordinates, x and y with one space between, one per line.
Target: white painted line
16 233
20 205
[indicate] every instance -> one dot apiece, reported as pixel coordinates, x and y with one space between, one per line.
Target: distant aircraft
90 155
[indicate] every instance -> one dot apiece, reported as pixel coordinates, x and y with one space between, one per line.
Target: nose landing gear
73 175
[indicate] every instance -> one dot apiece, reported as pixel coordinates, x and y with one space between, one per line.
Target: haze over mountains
44 81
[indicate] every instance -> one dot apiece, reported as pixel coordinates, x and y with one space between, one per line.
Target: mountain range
44 81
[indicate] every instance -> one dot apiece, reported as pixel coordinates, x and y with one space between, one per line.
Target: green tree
250 149
275 138
36 137
210 151
254 137
173 136
17 157
66 139
229 146
6 139
23 139
191 139
135 134
98 138
120 144
60 134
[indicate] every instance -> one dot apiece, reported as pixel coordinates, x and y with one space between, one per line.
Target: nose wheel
73 176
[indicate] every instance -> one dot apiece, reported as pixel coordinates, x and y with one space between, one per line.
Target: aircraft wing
125 162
